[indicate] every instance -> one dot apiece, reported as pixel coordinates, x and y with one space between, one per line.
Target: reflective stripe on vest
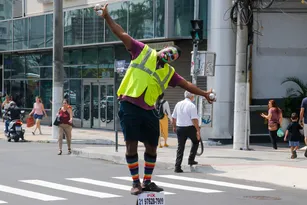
142 67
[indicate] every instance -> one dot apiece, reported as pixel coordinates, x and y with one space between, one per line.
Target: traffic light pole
195 60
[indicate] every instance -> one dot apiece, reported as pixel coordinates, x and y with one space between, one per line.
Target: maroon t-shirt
137 48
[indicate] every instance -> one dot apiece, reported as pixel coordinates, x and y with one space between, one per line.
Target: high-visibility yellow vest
142 75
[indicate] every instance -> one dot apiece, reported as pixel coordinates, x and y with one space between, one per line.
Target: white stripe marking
70 189
177 186
3 202
107 184
217 183
29 194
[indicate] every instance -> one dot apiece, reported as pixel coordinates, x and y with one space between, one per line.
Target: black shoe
151 187
178 170
305 153
192 163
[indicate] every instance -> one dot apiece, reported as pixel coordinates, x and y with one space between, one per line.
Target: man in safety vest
147 77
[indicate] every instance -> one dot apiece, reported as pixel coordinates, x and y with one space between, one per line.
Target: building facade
90 50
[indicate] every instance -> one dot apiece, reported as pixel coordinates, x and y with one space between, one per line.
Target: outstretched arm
116 28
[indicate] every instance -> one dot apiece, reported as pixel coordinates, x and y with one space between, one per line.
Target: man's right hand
104 11
198 135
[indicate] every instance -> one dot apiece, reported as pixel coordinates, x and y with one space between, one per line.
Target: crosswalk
115 185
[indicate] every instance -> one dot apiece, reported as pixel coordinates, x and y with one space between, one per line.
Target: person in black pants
185 124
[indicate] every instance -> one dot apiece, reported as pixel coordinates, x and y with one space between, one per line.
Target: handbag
57 120
30 121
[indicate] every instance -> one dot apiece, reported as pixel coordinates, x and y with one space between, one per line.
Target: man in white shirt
185 124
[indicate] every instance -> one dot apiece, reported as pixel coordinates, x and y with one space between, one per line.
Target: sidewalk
79 136
263 164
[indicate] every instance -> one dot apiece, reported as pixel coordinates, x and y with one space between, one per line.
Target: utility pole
57 77
240 112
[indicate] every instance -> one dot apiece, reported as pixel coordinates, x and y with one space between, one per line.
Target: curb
83 153
85 141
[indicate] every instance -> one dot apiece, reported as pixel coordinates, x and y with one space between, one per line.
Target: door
98 105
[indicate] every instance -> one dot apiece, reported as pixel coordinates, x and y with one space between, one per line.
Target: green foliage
294 96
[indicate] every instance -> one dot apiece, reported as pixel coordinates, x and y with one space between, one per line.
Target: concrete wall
280 51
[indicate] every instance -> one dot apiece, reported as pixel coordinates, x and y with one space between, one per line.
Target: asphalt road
33 174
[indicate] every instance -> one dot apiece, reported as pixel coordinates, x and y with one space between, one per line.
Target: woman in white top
39 111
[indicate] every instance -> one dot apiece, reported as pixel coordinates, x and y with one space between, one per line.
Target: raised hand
102 11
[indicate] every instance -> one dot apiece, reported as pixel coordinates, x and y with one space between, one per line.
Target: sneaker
151 187
294 154
192 163
136 189
178 170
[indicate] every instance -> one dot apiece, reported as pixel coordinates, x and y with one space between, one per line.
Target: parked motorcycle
15 130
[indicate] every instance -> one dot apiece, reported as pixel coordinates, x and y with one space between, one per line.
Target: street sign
206 62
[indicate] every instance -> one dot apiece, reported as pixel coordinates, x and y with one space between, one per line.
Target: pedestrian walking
303 120
293 135
274 121
65 126
164 111
39 112
148 76
185 124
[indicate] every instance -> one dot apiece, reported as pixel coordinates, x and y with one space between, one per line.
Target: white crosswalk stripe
177 186
29 194
70 189
106 184
216 183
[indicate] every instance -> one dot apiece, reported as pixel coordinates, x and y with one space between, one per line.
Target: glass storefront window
159 18
18 67
75 97
17 92
119 13
73 27
203 14
90 71
141 19
46 92
7 9
73 57
32 90
49 30
93 27
46 59
90 56
106 62
32 66
7 87
7 66
20 38
6 35
184 12
73 71
46 72
36 33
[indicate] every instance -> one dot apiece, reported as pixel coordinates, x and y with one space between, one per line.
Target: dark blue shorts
36 116
138 124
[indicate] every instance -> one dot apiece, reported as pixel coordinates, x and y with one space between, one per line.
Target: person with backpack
164 112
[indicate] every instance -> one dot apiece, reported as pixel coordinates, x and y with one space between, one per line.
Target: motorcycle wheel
16 139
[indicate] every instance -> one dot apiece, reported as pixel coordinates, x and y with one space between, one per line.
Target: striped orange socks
133 166
150 162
